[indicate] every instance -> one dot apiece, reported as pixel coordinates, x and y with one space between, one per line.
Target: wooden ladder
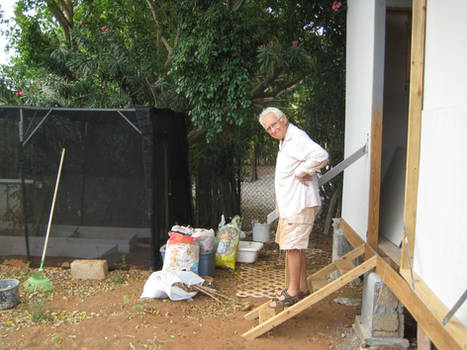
268 318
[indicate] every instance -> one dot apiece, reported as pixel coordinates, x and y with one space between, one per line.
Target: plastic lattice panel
259 281
267 280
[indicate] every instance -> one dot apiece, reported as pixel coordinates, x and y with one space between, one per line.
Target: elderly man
297 198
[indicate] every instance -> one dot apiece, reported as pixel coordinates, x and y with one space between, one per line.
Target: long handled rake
38 281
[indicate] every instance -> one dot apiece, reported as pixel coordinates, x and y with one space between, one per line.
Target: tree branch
159 26
195 136
65 23
235 6
238 5
261 99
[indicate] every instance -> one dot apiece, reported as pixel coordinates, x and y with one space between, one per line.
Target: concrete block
340 247
375 342
381 310
89 269
385 324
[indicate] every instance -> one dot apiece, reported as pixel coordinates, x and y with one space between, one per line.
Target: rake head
38 282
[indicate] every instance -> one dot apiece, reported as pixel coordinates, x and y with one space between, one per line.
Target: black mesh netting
122 168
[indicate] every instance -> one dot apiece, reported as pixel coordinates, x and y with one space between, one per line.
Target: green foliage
39 314
212 66
220 63
117 279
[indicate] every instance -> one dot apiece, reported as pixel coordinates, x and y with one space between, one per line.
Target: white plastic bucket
261 232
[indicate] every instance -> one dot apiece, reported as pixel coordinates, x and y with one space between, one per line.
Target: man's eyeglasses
273 125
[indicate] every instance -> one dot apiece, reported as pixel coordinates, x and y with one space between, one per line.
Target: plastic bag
182 253
206 239
227 239
186 230
160 284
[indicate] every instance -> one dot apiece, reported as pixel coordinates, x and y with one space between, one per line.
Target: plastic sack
206 239
187 230
227 239
182 253
160 284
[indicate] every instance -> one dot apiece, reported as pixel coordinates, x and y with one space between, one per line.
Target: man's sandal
303 294
288 300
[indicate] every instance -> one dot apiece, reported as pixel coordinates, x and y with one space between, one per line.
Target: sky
7 9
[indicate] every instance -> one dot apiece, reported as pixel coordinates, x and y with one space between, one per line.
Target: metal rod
129 122
23 185
407 248
456 307
15 181
37 127
332 173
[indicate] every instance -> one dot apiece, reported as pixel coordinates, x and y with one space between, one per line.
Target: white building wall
440 256
364 93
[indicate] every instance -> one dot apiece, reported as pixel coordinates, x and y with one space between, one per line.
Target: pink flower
271 43
105 29
20 93
336 5
83 25
261 46
295 42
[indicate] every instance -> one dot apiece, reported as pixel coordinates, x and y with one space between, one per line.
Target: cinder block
89 269
382 313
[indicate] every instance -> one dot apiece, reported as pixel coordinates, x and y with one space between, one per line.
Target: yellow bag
227 239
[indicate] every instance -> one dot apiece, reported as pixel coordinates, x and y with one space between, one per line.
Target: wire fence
258 196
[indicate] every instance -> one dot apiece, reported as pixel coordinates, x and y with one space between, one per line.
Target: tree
221 62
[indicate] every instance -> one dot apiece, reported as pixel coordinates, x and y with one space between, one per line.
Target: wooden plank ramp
269 318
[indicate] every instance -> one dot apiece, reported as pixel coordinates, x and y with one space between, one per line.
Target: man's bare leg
294 269
303 277
294 266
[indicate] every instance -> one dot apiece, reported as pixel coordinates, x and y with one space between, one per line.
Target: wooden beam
310 300
350 234
417 65
325 271
454 327
423 342
375 177
318 279
415 305
344 265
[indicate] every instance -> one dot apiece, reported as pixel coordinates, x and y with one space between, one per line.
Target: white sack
160 285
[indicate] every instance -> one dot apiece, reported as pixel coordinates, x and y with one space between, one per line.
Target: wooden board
310 300
415 305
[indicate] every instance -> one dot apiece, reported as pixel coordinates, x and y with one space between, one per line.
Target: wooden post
417 63
375 177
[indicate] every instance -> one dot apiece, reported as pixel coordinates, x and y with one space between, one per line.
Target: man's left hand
304 179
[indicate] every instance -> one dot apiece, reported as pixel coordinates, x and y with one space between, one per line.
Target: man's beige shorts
294 232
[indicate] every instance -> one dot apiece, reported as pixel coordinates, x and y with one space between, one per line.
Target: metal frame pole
23 185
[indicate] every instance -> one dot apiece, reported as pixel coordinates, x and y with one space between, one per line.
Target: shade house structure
125 176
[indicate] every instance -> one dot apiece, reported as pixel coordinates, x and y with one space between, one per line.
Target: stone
89 269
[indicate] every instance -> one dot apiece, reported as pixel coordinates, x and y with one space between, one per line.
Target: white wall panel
364 60
440 256
445 55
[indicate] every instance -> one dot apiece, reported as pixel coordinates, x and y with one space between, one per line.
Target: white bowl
248 251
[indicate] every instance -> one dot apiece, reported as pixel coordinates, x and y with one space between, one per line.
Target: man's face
275 127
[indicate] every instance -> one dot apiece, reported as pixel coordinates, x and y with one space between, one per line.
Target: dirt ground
110 314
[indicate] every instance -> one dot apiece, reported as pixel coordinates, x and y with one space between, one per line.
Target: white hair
276 111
